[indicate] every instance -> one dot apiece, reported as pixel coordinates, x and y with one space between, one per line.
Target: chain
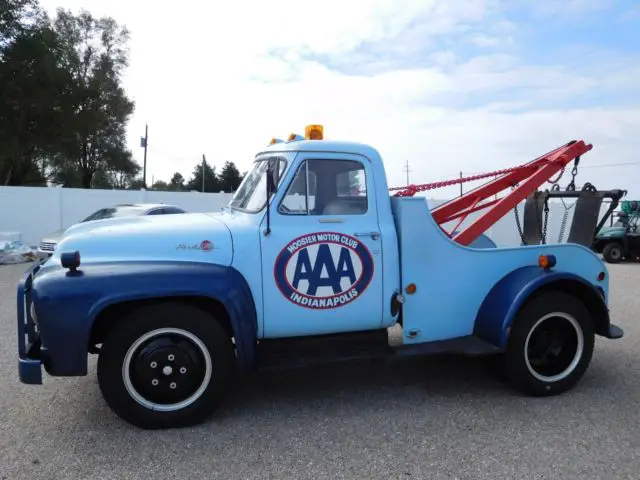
555 182
517 215
545 224
574 171
518 225
546 220
411 190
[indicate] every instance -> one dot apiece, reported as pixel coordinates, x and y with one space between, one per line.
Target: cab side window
300 196
327 187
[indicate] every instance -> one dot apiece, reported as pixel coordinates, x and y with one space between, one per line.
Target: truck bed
452 280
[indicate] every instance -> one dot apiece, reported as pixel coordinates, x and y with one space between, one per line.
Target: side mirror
272 186
272 176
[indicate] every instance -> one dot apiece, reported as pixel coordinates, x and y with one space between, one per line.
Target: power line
609 165
580 167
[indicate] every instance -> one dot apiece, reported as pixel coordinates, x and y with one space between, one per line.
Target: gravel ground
417 418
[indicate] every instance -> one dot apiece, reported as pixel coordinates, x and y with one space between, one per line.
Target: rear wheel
612 252
165 366
550 345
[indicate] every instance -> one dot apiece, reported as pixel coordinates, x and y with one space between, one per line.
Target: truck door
322 269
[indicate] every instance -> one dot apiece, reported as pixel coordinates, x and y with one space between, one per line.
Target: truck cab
329 241
312 260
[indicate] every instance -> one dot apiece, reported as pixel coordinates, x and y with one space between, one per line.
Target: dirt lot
426 418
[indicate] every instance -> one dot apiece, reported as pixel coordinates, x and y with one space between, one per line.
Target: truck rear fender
509 295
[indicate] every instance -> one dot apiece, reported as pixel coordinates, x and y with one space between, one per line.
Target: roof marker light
314 132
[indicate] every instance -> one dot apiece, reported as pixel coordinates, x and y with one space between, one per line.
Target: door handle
373 235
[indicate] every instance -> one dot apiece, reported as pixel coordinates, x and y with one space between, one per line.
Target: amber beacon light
314 132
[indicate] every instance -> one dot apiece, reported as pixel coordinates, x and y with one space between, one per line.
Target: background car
48 243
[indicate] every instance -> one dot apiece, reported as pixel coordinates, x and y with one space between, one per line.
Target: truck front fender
510 294
70 304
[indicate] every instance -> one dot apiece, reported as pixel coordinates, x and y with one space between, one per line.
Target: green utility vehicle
621 240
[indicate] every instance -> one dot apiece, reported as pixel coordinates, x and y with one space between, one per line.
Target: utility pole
460 183
143 143
203 161
407 170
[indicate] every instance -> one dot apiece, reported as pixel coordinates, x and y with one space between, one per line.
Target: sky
448 86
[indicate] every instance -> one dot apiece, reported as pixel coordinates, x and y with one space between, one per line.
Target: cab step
468 345
321 349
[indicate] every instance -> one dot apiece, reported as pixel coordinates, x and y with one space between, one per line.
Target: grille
47 246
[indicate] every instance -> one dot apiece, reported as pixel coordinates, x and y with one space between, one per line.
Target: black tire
612 252
572 321
176 365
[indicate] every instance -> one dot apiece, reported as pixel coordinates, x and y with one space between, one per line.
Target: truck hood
190 237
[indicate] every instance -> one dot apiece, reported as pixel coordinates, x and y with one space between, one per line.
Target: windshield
113 212
251 195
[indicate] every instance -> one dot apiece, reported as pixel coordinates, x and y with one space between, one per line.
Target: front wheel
550 345
165 366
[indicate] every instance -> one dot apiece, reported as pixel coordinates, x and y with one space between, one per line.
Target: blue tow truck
312 260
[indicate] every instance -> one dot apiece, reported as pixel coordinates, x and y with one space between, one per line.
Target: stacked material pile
12 250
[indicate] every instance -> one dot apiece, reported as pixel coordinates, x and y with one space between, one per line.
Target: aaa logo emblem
323 270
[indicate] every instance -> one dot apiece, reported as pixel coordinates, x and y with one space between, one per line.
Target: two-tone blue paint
157 257
501 305
29 353
453 281
68 303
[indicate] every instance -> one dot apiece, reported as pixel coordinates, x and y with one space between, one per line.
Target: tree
33 93
63 112
177 182
120 174
94 53
160 185
136 184
16 17
211 181
230 177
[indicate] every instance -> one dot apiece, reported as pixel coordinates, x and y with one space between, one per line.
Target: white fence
38 211
35 212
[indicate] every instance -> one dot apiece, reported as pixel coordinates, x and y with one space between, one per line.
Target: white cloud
207 80
487 41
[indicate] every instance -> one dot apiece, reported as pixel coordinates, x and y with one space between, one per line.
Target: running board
321 349
301 352
469 345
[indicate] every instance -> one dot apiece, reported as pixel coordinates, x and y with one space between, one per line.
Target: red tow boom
524 180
